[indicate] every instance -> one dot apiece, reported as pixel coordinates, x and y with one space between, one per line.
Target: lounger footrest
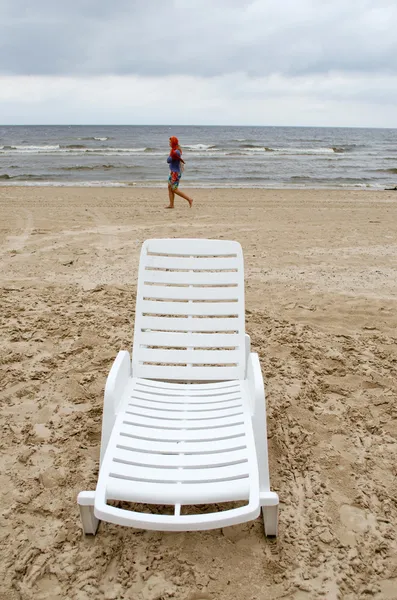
176 522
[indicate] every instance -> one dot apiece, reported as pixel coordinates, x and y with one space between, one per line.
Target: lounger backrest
189 322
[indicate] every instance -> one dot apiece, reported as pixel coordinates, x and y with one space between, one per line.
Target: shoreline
217 186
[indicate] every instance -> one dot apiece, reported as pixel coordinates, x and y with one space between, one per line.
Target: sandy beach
321 298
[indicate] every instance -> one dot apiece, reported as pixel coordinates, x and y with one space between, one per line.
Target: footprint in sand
25 223
355 519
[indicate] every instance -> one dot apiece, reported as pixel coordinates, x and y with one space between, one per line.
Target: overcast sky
226 62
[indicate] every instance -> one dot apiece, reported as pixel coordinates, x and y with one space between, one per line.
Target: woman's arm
175 154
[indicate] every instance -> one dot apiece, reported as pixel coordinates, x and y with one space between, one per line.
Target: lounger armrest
118 378
256 390
247 340
255 383
116 382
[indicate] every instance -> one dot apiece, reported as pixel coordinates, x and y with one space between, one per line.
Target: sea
220 157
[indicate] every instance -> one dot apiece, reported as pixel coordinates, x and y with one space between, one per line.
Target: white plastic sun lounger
184 422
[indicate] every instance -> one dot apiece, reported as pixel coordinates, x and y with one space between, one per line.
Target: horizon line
180 125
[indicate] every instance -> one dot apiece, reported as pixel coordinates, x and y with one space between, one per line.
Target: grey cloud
203 38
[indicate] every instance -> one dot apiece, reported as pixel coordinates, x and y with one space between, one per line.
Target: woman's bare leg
182 195
171 196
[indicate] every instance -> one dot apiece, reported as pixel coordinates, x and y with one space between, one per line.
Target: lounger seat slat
173 475
187 263
207 373
199 356
206 278
194 309
191 247
201 447
204 294
215 390
178 324
193 493
183 410
134 417
184 340
155 433
190 402
228 457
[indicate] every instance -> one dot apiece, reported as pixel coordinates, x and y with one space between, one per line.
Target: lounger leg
270 520
88 519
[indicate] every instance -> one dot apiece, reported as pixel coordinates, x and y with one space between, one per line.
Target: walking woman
176 163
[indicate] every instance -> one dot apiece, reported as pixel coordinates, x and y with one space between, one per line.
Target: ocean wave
89 184
347 148
197 150
72 149
253 148
331 180
256 146
394 171
73 146
198 147
29 149
106 151
303 151
88 167
257 183
97 167
25 177
96 139
247 178
287 151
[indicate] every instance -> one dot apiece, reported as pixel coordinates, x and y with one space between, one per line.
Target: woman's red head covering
174 142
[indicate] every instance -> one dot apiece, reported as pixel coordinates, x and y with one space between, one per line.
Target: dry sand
321 289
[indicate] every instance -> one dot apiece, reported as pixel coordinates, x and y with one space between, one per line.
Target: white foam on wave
29 149
198 147
196 184
103 151
284 151
57 149
302 151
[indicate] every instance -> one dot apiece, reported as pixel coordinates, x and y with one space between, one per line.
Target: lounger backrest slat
190 323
